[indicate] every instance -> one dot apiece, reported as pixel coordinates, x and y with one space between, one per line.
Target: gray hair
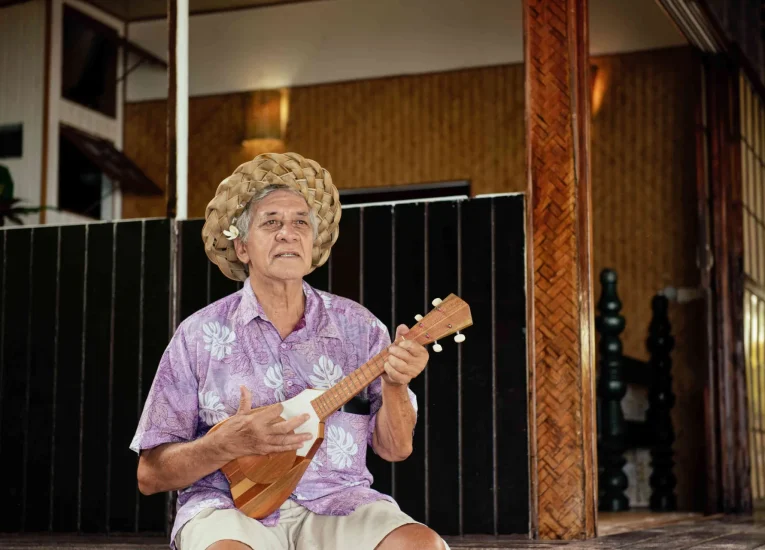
245 218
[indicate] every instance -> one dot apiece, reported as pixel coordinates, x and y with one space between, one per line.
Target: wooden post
176 193
561 353
734 491
172 79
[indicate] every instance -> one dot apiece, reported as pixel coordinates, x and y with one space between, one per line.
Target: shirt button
289 382
284 346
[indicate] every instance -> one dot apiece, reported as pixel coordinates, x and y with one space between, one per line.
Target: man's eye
271 222
302 221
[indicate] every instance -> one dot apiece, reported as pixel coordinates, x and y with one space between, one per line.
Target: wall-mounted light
598 83
265 115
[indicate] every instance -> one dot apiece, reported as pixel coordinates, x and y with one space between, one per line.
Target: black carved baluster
660 402
611 389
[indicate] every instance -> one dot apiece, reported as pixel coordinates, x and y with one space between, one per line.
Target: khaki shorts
298 529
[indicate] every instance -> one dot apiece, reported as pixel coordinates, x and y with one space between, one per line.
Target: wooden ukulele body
261 483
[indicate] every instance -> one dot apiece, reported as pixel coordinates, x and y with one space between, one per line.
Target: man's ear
241 251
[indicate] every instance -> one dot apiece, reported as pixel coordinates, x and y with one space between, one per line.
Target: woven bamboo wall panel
460 125
644 224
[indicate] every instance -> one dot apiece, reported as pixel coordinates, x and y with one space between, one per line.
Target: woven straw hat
233 193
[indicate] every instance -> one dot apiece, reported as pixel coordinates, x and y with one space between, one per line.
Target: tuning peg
437 347
459 338
418 317
437 302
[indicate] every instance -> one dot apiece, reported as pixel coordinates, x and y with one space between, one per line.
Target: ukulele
261 483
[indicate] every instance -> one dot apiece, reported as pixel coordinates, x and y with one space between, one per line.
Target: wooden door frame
728 468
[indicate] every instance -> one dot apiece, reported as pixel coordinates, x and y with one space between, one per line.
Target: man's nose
287 233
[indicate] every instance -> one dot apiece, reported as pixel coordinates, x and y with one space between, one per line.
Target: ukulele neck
350 386
449 316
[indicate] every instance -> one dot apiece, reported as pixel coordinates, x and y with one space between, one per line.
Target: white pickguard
301 404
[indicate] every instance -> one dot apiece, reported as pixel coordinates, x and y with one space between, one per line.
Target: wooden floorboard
729 533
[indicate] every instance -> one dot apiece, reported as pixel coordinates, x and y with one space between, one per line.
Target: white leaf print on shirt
275 380
211 409
379 324
340 447
218 339
327 374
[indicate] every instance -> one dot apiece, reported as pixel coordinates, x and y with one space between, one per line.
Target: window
80 181
11 139
87 167
89 68
752 143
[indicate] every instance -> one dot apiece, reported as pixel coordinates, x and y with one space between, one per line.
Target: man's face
280 239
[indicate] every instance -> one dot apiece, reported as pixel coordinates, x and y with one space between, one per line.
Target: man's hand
407 359
173 466
262 432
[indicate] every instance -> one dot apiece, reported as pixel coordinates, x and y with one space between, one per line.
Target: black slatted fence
85 315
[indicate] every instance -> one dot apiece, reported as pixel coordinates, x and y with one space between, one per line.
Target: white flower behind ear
231 233
327 374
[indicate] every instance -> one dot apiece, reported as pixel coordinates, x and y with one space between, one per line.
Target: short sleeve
379 339
171 411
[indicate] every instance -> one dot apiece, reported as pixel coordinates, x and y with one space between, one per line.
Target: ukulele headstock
448 316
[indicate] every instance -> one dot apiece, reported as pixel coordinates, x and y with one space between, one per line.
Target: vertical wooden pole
176 192
182 108
172 85
561 354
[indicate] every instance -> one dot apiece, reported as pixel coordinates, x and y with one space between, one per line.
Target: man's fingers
288 426
272 412
401 353
271 449
288 439
400 365
245 400
400 331
415 348
395 376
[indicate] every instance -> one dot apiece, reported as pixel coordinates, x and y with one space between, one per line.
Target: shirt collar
317 318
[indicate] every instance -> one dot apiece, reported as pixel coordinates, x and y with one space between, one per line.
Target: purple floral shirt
231 343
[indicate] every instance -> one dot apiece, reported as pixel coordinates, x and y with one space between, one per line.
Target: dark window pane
89 69
79 181
11 141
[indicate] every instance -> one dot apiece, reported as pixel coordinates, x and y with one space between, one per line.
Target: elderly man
270 224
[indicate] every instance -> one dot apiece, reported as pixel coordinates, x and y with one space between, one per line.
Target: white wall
61 110
22 92
339 40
